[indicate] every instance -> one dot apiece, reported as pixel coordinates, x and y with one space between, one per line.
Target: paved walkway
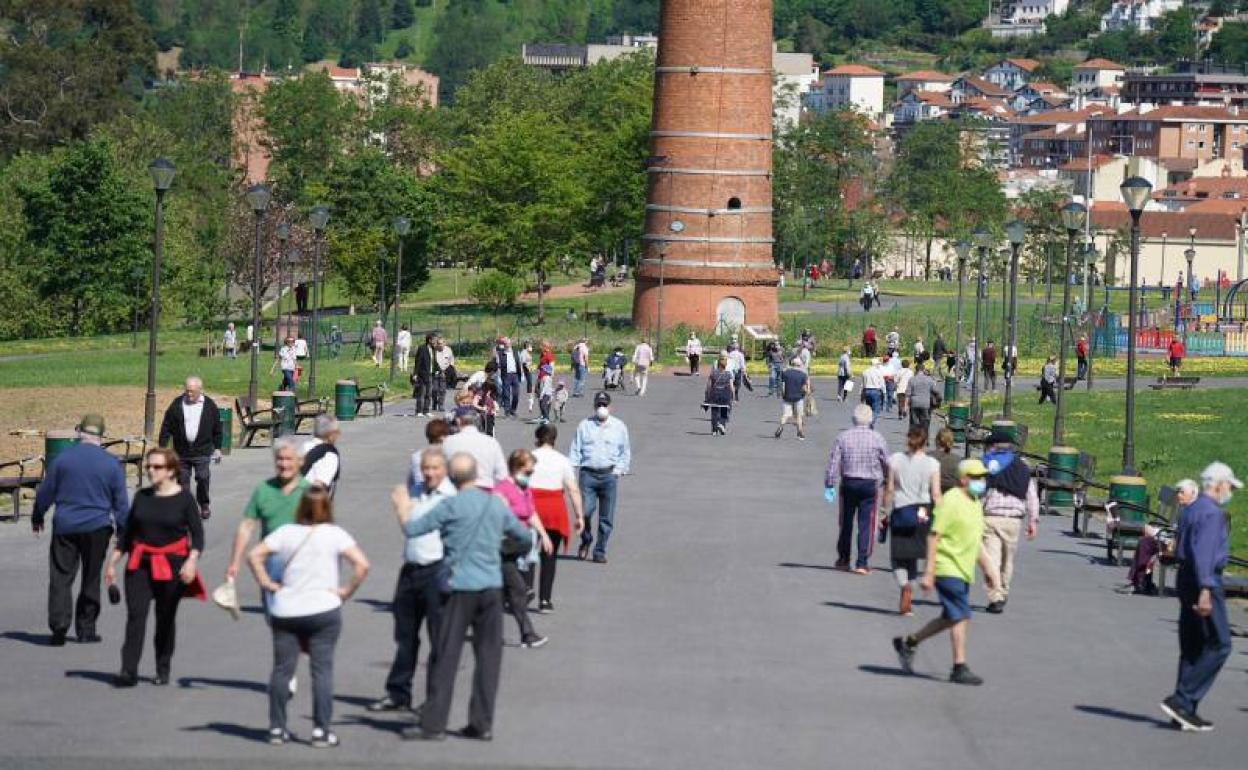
718 636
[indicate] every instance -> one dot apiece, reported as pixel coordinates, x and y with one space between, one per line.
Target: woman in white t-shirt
553 482
304 605
913 489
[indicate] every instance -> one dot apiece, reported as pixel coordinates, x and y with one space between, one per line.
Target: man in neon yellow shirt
953 549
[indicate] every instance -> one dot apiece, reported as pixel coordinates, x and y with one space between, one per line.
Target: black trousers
517 589
546 581
202 466
142 591
921 416
416 600
422 391
66 552
482 611
1048 392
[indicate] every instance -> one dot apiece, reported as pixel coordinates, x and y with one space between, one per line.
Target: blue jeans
890 394
510 393
288 379
874 398
598 491
1204 644
773 379
857 504
579 373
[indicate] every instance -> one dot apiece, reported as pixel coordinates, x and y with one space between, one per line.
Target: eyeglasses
151 467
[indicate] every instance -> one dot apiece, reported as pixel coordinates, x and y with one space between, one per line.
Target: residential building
1054 147
1220 225
1060 120
919 105
1022 18
795 75
1137 15
251 157
561 57
1011 74
967 87
1038 97
1188 134
923 80
1198 83
850 85
1096 73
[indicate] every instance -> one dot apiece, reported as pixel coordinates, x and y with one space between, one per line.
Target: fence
1111 337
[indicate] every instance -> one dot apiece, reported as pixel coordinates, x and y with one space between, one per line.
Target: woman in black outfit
164 536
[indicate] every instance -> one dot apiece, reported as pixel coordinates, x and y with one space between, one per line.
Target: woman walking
948 460
553 483
164 536
913 487
844 372
719 395
517 572
305 606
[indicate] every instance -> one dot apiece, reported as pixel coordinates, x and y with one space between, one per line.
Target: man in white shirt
580 367
643 357
736 367
445 377
321 462
417 596
491 464
693 351
287 358
901 382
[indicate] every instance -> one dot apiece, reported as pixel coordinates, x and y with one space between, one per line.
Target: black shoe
1188 722
582 553
533 641
57 639
779 431
89 638
546 607
161 680
416 733
600 558
386 704
905 654
995 608
962 675
205 512
475 733
125 680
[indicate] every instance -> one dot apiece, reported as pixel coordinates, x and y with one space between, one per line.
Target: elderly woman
720 390
516 565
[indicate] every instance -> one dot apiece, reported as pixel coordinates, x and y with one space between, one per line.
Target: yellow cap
972 467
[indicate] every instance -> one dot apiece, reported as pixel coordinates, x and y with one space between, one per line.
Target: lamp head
963 247
162 172
983 238
402 226
1191 233
258 198
1074 216
1136 192
1016 230
283 232
319 217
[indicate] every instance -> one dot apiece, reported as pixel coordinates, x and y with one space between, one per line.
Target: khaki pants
999 544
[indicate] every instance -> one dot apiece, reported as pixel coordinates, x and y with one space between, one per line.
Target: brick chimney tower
707 248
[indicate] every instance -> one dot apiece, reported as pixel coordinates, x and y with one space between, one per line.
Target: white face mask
602 413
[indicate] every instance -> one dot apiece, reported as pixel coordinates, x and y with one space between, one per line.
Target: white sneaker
294 685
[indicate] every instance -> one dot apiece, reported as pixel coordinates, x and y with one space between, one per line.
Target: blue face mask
977 488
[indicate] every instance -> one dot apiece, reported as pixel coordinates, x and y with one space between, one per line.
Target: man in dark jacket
422 377
510 369
192 425
87 486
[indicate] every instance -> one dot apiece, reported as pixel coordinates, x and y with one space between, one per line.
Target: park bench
130 451
16 476
373 394
595 315
707 351
310 409
252 420
1175 383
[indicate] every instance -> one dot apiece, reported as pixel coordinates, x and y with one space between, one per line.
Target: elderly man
192 424
1202 549
794 386
510 371
1011 506
490 463
87 487
471 525
444 376
273 502
601 452
322 463
858 466
873 389
923 393
417 597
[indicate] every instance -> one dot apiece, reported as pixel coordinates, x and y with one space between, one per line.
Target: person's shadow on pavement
1126 716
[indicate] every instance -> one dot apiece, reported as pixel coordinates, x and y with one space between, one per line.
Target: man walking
471 525
426 366
1011 497
952 550
580 367
1081 357
1204 633
775 365
873 389
923 393
1175 352
1048 381
192 424
794 385
601 453
857 467
87 487
509 370
939 351
988 363
643 357
417 596
403 347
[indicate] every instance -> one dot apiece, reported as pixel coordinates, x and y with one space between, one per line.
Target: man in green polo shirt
953 549
273 503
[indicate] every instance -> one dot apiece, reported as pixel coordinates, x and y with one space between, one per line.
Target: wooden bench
132 451
310 410
251 420
373 394
595 315
12 482
1175 383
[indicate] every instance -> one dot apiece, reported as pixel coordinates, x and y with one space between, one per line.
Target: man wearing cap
601 452
87 486
858 466
953 546
491 465
192 425
1201 548
1011 498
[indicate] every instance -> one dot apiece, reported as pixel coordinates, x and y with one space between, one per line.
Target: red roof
1211 187
1023 64
1081 164
934 98
1043 87
1099 64
1211 225
1053 117
984 87
855 70
1178 113
931 76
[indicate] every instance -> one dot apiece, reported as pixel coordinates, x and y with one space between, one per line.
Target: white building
1011 74
923 80
849 85
795 75
1022 18
1136 14
1096 73
917 106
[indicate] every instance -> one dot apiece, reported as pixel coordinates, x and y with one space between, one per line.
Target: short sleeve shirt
794 382
912 478
959 521
271 507
552 470
308 556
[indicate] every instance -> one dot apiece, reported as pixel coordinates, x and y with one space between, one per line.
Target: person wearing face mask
1202 548
516 558
600 451
1011 498
953 547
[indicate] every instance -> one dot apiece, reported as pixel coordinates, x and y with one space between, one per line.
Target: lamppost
319 218
1073 216
258 198
963 248
1017 232
678 227
283 235
1136 192
162 172
1190 255
402 226
1089 256
1005 305
1161 280
292 263
983 240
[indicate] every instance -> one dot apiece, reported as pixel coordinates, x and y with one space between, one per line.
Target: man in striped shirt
1010 501
858 466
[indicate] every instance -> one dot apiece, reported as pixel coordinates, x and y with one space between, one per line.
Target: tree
495 291
1176 38
402 15
1230 44
1041 209
89 231
368 24
308 124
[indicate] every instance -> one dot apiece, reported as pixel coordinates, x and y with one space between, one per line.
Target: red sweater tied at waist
159 567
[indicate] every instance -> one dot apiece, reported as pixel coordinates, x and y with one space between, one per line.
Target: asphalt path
718 636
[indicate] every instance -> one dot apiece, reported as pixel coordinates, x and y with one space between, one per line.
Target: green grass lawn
1177 433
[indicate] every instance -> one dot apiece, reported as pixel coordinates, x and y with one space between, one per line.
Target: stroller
613 369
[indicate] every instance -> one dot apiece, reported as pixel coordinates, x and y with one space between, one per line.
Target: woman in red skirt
553 483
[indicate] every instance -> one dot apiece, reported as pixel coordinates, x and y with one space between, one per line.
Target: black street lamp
1089 271
319 218
1074 215
402 226
983 240
963 248
1190 255
283 236
162 172
1136 192
258 199
1017 232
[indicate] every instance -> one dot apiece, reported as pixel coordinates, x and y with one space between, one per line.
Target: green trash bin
951 389
1063 464
1009 427
55 442
1131 492
288 403
345 392
959 417
227 429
